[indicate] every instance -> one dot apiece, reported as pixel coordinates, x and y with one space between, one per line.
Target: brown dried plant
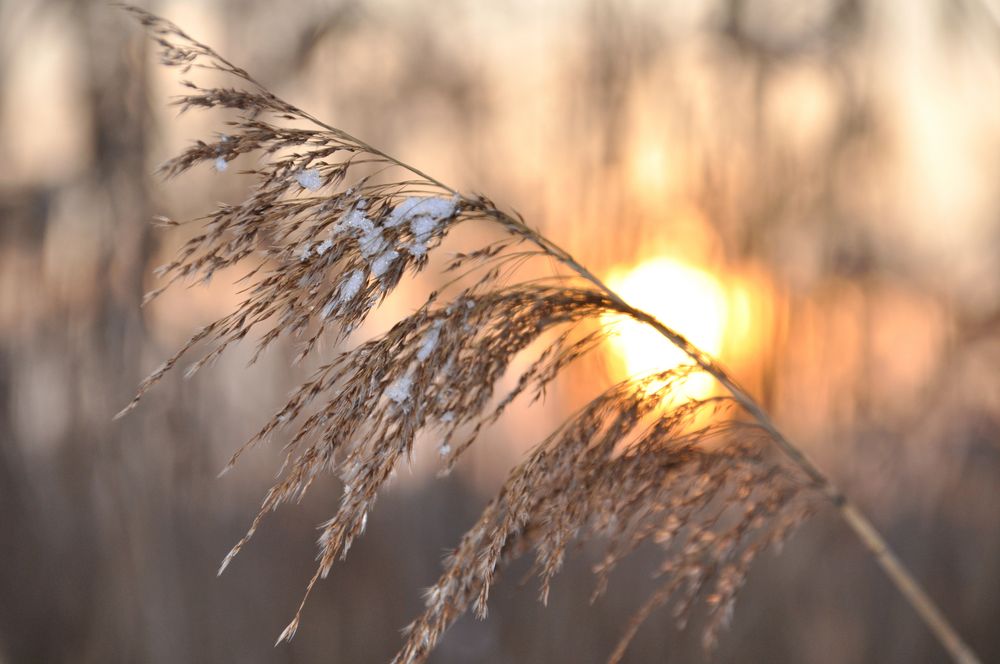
328 231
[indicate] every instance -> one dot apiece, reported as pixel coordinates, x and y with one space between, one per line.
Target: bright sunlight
683 297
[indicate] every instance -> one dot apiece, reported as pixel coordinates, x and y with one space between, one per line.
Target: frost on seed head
356 219
328 308
372 243
399 390
309 179
382 264
401 213
424 217
422 227
417 249
416 207
350 286
430 341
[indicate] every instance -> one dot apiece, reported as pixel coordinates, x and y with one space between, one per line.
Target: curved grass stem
897 572
270 213
873 541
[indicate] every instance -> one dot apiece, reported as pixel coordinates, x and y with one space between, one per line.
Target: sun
686 299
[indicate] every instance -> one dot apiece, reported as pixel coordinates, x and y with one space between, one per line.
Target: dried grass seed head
328 230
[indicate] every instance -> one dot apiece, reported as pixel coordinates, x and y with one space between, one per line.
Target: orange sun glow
683 297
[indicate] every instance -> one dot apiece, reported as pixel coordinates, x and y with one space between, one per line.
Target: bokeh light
684 297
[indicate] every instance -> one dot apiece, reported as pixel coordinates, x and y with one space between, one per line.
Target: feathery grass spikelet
328 230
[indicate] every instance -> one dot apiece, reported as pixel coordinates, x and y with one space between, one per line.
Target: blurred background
808 189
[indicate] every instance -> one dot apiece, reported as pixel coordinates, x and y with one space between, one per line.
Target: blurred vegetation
841 152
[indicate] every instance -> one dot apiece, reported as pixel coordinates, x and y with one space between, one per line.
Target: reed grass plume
329 229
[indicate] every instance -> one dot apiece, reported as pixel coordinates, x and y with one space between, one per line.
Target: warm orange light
685 298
